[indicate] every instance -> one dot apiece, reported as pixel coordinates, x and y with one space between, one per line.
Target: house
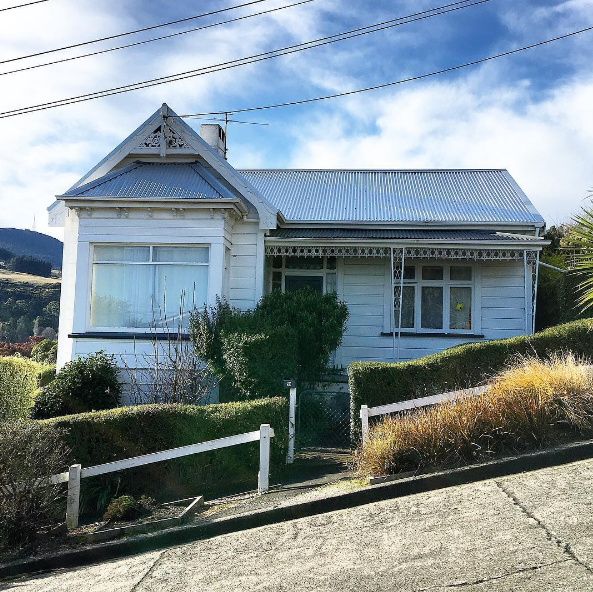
424 259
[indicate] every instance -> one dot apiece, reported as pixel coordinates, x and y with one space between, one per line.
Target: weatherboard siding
499 288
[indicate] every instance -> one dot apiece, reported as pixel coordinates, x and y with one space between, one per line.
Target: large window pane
432 307
180 254
177 289
461 273
432 272
121 253
292 283
408 298
121 295
460 308
304 263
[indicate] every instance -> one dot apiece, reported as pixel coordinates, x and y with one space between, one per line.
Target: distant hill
33 244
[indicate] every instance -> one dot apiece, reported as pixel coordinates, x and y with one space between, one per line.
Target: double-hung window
136 287
436 298
294 273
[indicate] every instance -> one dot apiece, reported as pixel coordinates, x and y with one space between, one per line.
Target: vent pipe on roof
213 134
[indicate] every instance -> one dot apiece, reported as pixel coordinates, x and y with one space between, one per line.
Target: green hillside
32 244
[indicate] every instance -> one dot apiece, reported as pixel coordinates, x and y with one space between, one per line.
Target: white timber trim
76 473
368 412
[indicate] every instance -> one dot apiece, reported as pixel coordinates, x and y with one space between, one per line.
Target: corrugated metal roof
396 234
158 180
462 196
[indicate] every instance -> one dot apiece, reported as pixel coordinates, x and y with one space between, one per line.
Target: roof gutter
143 202
275 241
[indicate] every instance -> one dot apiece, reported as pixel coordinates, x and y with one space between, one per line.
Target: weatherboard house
424 259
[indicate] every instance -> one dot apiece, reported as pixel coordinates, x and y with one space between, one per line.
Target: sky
530 113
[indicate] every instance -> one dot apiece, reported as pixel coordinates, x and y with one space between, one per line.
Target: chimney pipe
214 135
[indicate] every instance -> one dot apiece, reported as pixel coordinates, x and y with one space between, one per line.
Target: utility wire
22 5
388 84
94 53
370 88
246 60
152 27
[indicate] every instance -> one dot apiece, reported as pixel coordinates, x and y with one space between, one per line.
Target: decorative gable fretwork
411 252
171 139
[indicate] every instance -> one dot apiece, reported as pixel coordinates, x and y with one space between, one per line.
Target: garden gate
322 420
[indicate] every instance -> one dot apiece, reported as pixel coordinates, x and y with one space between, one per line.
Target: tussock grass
532 404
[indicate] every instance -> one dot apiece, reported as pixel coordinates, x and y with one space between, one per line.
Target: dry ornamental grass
534 403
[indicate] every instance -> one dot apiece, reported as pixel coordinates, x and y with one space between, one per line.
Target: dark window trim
121 335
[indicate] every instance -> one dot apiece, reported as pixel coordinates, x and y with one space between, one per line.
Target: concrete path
530 532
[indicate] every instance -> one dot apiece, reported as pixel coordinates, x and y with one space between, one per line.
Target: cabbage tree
581 242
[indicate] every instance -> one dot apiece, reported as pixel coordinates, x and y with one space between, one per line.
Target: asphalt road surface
529 532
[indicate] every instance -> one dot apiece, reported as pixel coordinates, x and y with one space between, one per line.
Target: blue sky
531 113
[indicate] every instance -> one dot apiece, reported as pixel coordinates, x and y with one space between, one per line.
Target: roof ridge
305 170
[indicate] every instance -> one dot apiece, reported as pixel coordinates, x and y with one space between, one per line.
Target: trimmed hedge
19 380
103 436
464 366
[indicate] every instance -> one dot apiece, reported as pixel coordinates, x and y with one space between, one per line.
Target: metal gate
322 420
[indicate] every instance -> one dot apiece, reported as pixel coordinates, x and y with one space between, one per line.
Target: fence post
73 500
364 418
291 425
263 480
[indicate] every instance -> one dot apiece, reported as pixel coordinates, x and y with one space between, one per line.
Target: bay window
136 287
435 298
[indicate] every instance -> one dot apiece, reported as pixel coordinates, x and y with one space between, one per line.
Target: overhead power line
102 51
376 87
142 30
388 84
399 21
22 5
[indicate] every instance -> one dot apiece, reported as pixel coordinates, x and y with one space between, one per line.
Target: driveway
529 532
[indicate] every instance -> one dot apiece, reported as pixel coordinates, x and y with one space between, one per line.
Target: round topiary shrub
85 384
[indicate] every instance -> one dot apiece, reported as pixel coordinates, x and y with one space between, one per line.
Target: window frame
150 262
446 283
324 272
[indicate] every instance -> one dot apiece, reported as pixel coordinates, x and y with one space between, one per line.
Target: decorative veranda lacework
172 139
410 252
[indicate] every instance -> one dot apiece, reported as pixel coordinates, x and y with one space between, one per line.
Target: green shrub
47 374
377 383
287 335
85 384
127 507
19 379
29 451
257 364
45 351
114 434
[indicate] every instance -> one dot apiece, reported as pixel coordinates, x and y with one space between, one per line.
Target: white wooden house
424 259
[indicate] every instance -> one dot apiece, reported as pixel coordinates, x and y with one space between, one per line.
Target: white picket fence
76 472
367 412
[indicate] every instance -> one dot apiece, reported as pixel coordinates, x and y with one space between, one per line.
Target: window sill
123 335
433 334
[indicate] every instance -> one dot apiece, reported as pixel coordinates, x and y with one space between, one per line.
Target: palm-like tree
581 242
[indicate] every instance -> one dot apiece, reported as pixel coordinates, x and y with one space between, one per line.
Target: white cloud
547 144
